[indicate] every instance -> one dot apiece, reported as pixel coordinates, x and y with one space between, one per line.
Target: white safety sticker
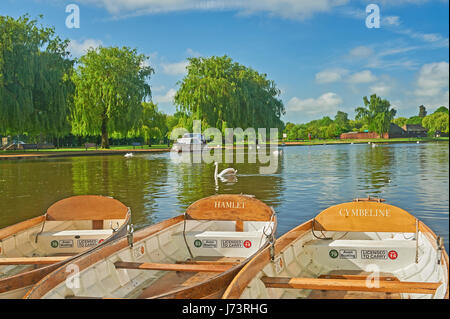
374 254
348 254
232 243
84 243
209 243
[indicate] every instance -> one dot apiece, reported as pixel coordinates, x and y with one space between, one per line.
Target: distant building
415 130
394 131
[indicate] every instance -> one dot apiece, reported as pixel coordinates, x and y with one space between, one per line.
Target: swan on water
277 152
374 145
127 155
226 171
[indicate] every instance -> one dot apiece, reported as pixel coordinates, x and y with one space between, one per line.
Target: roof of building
414 128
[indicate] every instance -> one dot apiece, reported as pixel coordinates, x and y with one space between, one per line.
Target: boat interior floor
174 280
353 274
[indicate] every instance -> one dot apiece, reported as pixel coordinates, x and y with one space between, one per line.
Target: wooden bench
391 286
136 144
173 267
88 145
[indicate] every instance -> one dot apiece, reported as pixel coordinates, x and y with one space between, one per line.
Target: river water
307 180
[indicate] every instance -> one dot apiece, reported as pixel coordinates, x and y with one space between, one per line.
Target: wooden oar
351 285
31 260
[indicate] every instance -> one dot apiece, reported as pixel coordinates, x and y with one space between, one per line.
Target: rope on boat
312 231
42 229
184 236
270 237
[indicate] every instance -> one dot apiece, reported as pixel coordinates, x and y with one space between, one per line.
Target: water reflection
306 180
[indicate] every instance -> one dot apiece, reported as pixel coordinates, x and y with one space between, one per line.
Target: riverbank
118 150
371 140
77 152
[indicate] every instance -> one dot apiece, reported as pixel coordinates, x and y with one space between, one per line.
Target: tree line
375 116
44 93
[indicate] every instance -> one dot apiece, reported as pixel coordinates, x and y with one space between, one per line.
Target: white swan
226 171
374 145
128 155
277 152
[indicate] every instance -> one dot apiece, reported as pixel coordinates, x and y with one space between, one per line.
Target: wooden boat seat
32 260
173 267
351 285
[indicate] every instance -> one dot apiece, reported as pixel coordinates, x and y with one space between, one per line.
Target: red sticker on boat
101 241
247 244
393 254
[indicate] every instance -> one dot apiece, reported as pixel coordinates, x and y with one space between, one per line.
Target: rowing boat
70 227
194 255
362 249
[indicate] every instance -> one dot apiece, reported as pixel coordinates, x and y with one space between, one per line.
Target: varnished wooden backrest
229 207
87 207
365 216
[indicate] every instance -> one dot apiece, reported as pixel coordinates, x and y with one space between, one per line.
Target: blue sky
319 52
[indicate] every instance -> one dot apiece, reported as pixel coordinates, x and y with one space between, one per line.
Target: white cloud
381 89
365 76
432 79
361 52
166 98
78 48
177 68
391 20
291 9
330 75
192 53
325 104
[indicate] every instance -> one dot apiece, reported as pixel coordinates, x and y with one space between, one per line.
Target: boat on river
194 255
190 142
361 249
32 249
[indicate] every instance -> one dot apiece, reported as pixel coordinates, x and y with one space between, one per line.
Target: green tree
110 87
223 93
415 120
376 113
442 109
438 121
341 119
35 85
153 125
400 121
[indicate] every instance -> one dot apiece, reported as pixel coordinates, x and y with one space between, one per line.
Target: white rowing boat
32 249
361 249
194 255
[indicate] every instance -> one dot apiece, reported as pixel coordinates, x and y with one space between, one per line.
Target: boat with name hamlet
194 255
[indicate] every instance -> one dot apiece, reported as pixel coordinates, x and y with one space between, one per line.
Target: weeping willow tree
152 124
110 87
376 113
222 93
35 85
